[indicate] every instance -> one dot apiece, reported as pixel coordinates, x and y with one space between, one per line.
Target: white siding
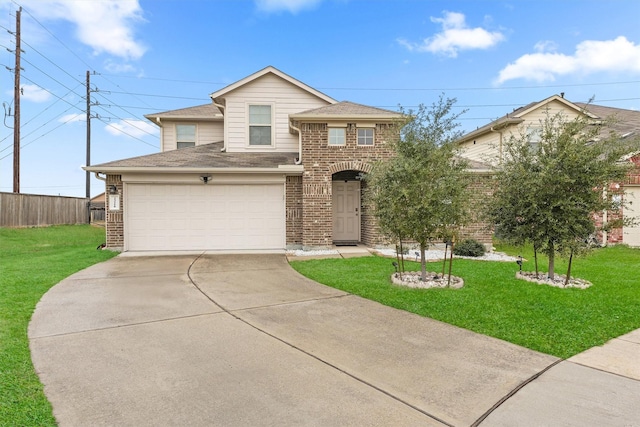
286 99
483 149
206 133
487 147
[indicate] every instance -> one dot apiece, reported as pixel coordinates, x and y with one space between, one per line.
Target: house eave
110 170
500 124
344 118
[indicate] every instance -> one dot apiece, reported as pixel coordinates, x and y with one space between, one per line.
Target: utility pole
88 162
88 184
16 114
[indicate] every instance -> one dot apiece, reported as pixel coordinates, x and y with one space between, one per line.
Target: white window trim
373 136
248 128
175 130
344 134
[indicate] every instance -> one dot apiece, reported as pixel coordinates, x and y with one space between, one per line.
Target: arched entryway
347 207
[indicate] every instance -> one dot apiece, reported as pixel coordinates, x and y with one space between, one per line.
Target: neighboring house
270 164
486 144
97 208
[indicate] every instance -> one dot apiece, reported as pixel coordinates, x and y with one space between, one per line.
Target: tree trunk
552 256
423 262
398 261
535 257
401 258
566 280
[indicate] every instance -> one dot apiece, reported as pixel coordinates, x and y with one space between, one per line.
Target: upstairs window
186 135
259 124
365 136
337 136
534 136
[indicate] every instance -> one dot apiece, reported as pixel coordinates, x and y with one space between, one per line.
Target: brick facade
480 189
294 211
115 219
321 161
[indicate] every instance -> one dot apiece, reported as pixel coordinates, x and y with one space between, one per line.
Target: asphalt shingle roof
204 156
206 111
346 108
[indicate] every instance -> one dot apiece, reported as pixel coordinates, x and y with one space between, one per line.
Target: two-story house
269 164
486 144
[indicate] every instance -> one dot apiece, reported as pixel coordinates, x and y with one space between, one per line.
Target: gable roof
346 110
207 112
201 158
517 116
270 70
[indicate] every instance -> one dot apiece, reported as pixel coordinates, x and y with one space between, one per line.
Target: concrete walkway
220 340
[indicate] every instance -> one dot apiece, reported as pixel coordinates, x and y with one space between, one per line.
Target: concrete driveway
244 340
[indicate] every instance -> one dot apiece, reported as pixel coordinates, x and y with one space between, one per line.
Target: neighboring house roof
517 116
626 123
199 112
100 198
478 166
346 109
270 70
201 157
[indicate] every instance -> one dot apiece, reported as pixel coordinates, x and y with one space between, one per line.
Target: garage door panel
199 217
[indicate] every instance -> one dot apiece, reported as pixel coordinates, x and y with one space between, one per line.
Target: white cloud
106 26
293 6
34 93
115 67
454 37
71 118
591 56
132 127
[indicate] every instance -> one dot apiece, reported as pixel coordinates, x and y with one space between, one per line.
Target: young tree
548 191
421 193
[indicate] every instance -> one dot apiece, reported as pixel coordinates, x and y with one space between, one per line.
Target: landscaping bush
469 247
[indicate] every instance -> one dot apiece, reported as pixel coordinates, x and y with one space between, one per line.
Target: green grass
32 260
560 322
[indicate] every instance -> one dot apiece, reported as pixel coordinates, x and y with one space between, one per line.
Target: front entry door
346 211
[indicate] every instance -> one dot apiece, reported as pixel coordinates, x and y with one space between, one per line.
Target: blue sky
158 55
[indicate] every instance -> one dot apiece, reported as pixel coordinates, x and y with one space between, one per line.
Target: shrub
469 247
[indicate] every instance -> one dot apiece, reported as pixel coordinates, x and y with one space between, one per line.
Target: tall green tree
421 193
550 183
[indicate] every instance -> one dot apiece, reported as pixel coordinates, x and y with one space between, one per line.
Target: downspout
97 174
224 140
299 161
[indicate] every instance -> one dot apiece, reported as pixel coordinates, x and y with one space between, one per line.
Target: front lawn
560 322
32 260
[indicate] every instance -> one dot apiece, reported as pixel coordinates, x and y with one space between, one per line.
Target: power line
400 89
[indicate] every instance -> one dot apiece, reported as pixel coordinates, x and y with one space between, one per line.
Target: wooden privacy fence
33 210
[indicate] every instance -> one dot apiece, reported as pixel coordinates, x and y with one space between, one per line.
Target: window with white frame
259 124
365 136
534 136
337 136
185 135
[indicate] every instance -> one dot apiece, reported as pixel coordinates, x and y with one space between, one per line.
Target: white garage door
631 235
204 217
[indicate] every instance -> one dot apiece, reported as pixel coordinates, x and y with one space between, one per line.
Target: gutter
182 170
299 161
